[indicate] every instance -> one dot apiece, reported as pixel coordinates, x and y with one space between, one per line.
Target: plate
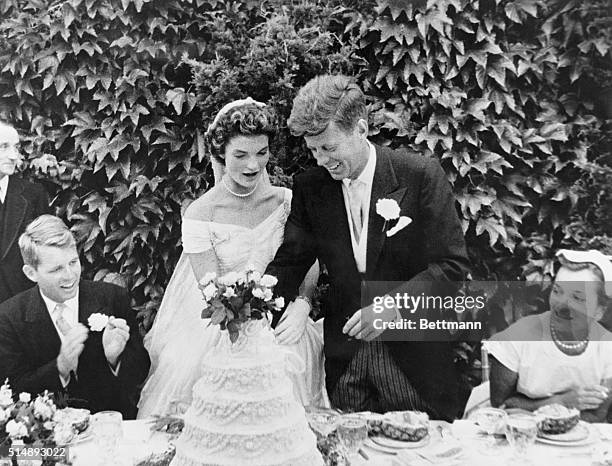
375 446
399 444
571 438
576 434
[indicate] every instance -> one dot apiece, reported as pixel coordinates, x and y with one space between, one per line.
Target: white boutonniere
97 321
390 210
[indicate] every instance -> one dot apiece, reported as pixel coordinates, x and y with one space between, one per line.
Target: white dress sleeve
196 236
506 352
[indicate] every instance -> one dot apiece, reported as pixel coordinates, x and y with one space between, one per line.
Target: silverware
425 457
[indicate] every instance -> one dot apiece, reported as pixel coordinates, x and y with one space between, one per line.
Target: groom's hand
367 325
293 323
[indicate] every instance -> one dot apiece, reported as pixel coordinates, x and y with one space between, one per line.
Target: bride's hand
293 323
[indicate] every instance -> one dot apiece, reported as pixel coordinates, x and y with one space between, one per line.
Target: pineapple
408 426
556 419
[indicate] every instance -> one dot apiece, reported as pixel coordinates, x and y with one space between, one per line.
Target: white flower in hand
267 294
25 397
115 337
268 280
16 430
97 321
388 209
402 223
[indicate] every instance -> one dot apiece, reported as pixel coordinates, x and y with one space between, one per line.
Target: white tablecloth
138 442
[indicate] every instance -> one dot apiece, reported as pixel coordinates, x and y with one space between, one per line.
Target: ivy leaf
554 131
493 227
512 12
481 76
177 98
68 14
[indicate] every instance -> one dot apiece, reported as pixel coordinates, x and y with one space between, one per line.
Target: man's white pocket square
402 223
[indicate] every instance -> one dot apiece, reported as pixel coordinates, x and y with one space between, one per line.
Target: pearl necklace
568 348
238 194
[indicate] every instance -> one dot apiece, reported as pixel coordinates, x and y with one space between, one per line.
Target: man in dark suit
20 202
45 342
334 218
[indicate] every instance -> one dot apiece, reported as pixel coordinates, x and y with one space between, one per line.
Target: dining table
459 443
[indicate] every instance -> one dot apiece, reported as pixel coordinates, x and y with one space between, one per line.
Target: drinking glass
491 420
107 431
352 432
323 423
521 432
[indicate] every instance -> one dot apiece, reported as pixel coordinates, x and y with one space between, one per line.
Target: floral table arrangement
36 428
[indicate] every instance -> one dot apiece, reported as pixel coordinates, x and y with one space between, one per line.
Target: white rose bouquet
235 298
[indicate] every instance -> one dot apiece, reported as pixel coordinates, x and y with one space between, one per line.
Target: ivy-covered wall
111 97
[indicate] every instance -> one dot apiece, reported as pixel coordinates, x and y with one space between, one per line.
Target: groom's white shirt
366 177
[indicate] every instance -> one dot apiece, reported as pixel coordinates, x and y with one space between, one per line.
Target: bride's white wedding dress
180 338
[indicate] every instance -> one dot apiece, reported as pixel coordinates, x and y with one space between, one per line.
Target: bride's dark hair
249 119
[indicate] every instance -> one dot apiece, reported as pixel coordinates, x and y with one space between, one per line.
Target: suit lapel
384 185
16 206
44 334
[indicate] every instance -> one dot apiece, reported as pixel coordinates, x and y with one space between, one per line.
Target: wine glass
491 420
521 432
352 432
323 423
107 431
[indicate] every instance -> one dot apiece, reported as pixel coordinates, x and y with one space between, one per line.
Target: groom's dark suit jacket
23 203
29 346
431 249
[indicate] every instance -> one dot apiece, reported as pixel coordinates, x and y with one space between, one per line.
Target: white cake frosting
244 411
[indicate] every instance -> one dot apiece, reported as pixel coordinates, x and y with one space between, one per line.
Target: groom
334 219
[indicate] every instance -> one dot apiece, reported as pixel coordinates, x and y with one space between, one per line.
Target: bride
239 222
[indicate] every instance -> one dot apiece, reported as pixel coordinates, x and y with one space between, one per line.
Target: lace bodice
237 246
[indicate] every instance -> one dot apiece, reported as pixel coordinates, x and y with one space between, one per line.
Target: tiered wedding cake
244 411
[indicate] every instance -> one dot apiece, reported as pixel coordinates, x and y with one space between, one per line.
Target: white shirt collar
72 303
367 175
3 187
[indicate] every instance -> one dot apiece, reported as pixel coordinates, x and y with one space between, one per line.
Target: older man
20 202
46 340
